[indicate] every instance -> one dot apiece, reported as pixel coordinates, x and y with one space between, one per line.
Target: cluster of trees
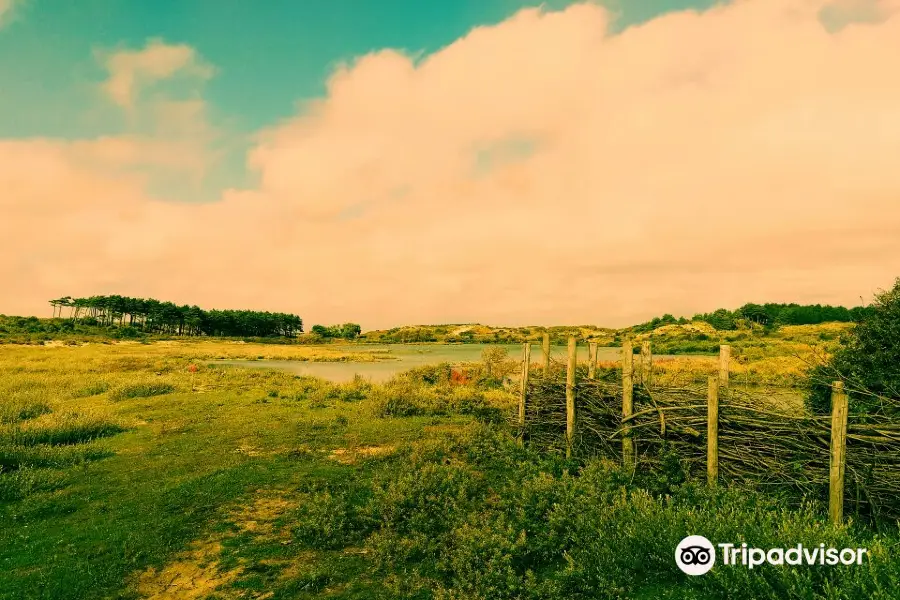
868 363
347 331
767 315
797 314
153 316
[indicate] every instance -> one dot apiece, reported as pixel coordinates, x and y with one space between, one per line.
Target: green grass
13 457
261 482
92 389
141 390
69 430
15 411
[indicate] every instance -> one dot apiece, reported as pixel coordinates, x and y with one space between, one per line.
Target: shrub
428 500
868 363
402 397
127 332
523 534
354 391
324 521
429 374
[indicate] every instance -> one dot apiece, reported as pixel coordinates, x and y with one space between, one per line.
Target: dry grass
192 575
216 349
349 456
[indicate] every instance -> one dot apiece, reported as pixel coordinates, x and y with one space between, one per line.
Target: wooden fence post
526 364
712 431
724 361
570 396
546 348
646 365
592 359
838 452
627 403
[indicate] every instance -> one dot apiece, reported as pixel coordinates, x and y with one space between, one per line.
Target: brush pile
781 449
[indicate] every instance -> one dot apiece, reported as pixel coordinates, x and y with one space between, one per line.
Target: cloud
169 135
6 10
132 72
840 13
701 159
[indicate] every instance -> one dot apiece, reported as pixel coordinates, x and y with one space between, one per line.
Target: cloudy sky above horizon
453 161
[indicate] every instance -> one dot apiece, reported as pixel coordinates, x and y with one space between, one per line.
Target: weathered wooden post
592 359
838 452
712 431
724 361
646 365
546 348
526 364
571 422
627 403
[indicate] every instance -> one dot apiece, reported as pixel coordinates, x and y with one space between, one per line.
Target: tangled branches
784 450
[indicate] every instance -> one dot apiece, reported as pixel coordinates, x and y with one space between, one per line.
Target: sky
496 161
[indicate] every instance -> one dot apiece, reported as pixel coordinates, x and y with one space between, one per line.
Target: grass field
119 481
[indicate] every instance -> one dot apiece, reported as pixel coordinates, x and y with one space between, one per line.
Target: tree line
153 316
767 315
347 331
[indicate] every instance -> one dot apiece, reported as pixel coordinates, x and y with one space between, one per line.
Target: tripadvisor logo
695 555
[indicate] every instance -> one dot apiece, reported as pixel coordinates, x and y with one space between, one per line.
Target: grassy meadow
124 475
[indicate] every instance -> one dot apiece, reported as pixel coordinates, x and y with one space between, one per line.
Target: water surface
408 356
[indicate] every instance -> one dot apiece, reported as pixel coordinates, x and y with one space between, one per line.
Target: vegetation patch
349 456
16 457
426 497
92 389
22 410
142 390
66 430
868 362
193 575
22 483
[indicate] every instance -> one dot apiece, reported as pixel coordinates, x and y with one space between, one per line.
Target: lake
408 356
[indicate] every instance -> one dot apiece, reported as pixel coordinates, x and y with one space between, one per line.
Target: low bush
404 398
324 520
475 516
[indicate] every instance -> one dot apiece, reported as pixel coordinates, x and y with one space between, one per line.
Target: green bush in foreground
480 518
403 398
868 362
